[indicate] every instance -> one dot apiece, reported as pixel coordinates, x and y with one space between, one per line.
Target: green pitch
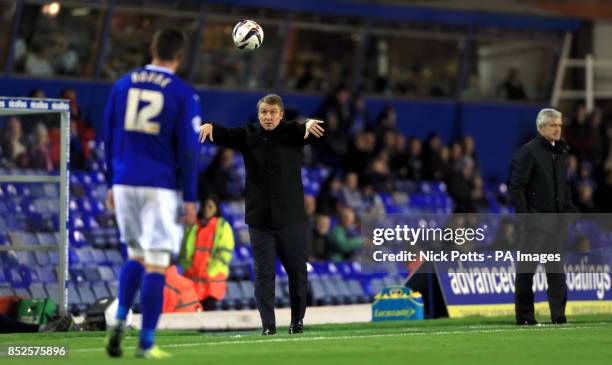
586 340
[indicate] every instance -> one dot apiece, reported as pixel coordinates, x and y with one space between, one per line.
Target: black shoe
60 324
530 322
296 328
271 331
560 321
113 342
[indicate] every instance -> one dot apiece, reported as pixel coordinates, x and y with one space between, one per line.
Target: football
248 35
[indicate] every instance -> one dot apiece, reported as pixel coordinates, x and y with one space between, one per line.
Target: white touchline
323 338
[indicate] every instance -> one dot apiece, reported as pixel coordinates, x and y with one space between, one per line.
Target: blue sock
151 302
130 279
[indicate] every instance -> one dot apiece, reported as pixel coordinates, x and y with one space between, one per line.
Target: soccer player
273 157
151 141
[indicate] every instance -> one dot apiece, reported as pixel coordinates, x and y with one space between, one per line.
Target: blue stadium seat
46 239
318 293
6 291
42 257
100 291
38 291
23 293
113 288
46 274
91 273
281 294
87 295
248 290
233 297
106 273
26 258
114 256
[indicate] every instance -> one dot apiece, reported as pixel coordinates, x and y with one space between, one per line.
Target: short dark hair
272 99
168 44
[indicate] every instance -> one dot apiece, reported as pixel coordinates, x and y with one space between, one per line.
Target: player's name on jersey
157 78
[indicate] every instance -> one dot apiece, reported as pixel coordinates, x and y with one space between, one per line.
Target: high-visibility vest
207 252
179 293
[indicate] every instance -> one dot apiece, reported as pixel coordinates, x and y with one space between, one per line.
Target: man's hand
206 130
110 202
312 126
189 214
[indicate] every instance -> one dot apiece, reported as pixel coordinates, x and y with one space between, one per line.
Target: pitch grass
585 340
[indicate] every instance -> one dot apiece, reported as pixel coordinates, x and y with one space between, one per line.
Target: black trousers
288 243
540 242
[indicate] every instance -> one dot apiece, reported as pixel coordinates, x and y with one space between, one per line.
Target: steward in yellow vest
206 253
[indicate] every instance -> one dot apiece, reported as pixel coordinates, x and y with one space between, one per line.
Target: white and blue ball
248 35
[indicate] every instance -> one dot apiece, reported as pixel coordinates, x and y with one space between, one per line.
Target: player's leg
152 299
132 272
264 262
161 238
292 252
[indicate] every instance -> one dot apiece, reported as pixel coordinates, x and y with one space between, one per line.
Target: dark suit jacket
273 162
538 178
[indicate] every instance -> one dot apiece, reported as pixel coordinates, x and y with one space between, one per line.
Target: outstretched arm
306 133
222 136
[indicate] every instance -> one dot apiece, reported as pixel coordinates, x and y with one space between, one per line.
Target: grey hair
545 116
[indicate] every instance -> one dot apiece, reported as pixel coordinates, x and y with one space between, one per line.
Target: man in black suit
538 186
273 157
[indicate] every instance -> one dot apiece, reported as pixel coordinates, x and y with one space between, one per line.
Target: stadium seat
248 290
106 273
6 291
38 291
318 293
87 295
23 293
100 290
233 297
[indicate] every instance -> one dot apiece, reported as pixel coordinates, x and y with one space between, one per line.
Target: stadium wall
498 129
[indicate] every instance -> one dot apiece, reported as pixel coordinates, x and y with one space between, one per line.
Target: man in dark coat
538 186
273 157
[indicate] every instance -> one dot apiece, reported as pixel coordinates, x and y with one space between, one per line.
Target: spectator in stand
579 134
585 202
351 195
372 202
319 237
333 146
477 195
84 130
379 172
512 87
330 195
338 105
399 157
414 164
387 120
507 237
469 151
13 147
361 153
360 118
40 151
345 238
572 173
37 60
37 93
456 157
221 178
460 189
432 161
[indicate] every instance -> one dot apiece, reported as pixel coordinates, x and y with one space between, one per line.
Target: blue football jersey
151 125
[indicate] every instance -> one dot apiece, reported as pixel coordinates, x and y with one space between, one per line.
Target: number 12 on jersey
141 119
